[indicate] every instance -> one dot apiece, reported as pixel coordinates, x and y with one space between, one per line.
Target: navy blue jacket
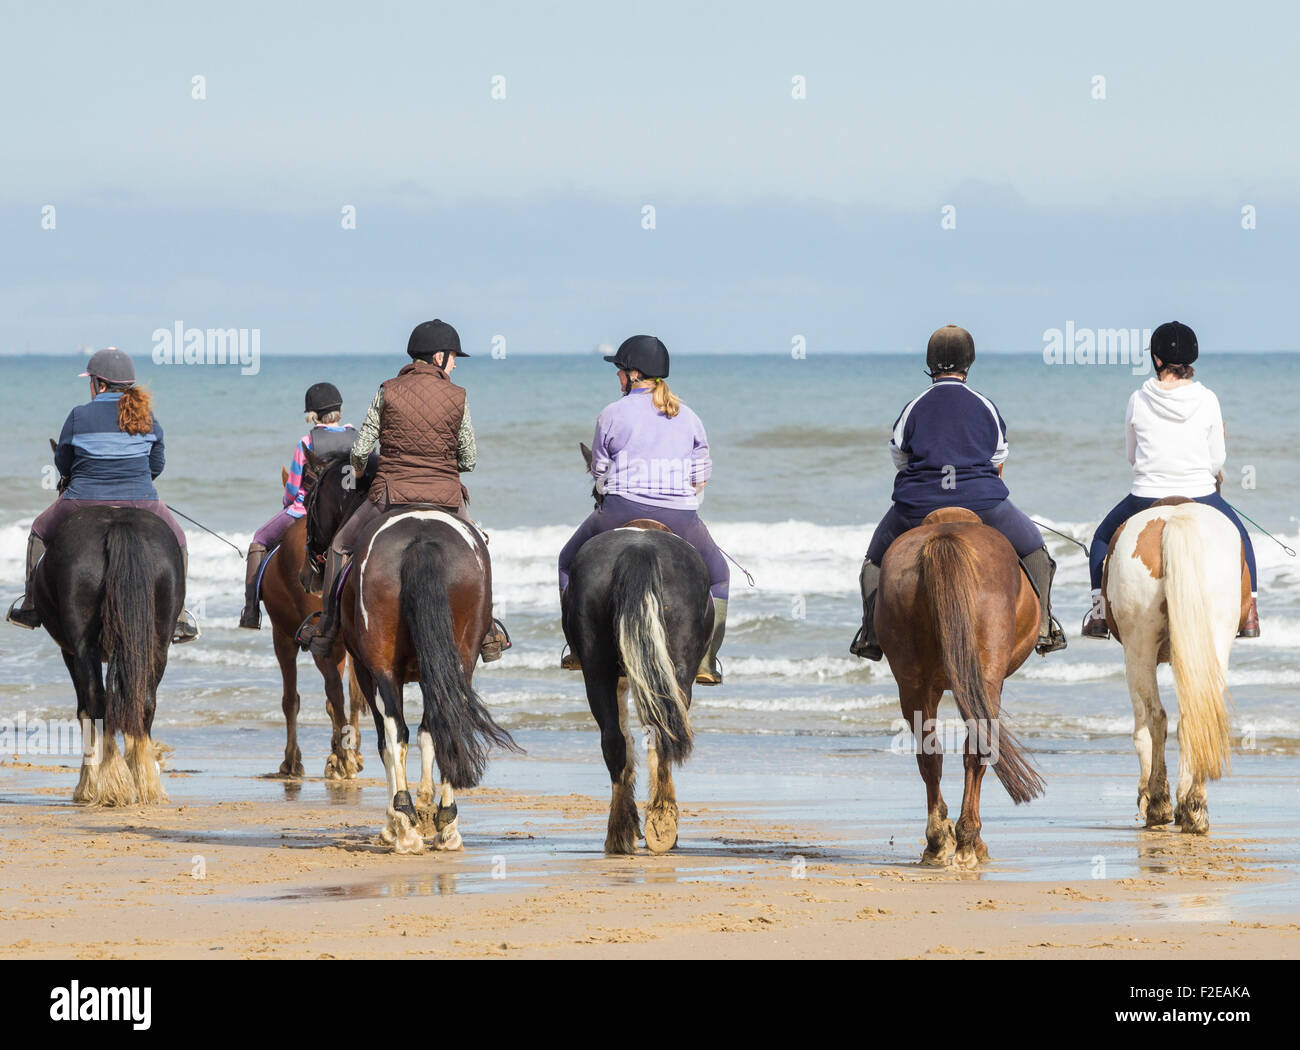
947 446
103 462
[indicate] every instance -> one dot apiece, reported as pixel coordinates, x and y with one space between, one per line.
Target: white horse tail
643 645
1198 675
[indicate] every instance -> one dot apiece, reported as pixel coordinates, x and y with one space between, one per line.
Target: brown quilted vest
419 433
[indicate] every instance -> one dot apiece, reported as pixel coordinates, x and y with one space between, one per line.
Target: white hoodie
1175 440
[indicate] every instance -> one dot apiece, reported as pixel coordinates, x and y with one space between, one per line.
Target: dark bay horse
955 611
638 615
288 603
415 606
109 590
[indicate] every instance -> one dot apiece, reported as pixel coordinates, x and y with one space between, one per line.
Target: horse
415 606
638 616
109 591
288 603
1175 590
955 611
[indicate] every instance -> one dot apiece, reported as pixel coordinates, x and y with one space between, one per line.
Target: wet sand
790 847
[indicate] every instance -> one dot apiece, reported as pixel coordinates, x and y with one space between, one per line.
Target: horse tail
128 635
461 726
1198 676
637 595
949 578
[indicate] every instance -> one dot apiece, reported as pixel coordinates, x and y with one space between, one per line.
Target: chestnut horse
955 611
415 606
288 603
638 615
109 591
1176 590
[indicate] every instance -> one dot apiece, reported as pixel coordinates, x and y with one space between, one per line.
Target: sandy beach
240 865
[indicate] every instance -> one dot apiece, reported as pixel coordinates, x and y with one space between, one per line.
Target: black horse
638 617
109 591
415 606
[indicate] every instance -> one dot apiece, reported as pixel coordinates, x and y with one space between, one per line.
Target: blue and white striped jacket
103 462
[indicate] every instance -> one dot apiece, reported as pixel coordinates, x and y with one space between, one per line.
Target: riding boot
320 630
187 628
864 643
710 671
1094 624
1250 628
251 617
1040 569
495 643
568 661
23 612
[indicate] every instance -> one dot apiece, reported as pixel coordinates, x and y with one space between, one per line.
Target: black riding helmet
1174 343
322 398
951 349
434 337
644 353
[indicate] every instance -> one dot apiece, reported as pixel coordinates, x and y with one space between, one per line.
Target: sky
524 217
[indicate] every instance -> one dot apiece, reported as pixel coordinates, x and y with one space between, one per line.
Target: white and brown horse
1176 589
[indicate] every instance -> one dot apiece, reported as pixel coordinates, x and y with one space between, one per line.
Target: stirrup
28 619
251 620
493 645
711 675
1055 640
307 631
187 629
568 661
863 648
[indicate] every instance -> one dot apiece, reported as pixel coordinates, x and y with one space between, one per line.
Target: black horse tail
462 728
128 636
949 577
643 645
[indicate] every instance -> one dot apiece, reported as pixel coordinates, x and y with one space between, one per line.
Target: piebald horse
955 611
1176 590
109 591
638 615
288 603
415 606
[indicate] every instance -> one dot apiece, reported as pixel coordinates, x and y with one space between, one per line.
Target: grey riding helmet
112 365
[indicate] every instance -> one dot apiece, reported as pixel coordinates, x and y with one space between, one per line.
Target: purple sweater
646 457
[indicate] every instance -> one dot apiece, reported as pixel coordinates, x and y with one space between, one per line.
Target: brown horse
954 611
288 604
414 608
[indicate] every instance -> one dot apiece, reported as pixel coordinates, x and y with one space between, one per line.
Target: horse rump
949 576
637 597
461 726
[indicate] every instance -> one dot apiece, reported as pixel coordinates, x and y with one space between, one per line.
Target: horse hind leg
142 761
337 763
87 681
661 812
400 831
286 654
971 851
620 760
1149 732
435 803
1193 812
940 836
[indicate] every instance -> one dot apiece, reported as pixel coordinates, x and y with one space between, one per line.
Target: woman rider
324 408
650 458
949 445
1175 438
109 453
426 441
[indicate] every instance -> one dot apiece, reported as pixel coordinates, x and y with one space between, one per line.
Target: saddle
648 524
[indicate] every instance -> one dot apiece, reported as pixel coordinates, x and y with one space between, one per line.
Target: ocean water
801 475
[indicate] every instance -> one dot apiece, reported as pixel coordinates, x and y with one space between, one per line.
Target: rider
324 408
109 453
949 445
1175 438
650 458
426 441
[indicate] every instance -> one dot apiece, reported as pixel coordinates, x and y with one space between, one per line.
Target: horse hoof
400 833
291 769
1159 813
334 768
448 839
661 829
355 763
932 859
965 860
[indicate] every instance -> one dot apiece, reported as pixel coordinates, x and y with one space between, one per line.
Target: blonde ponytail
665 400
